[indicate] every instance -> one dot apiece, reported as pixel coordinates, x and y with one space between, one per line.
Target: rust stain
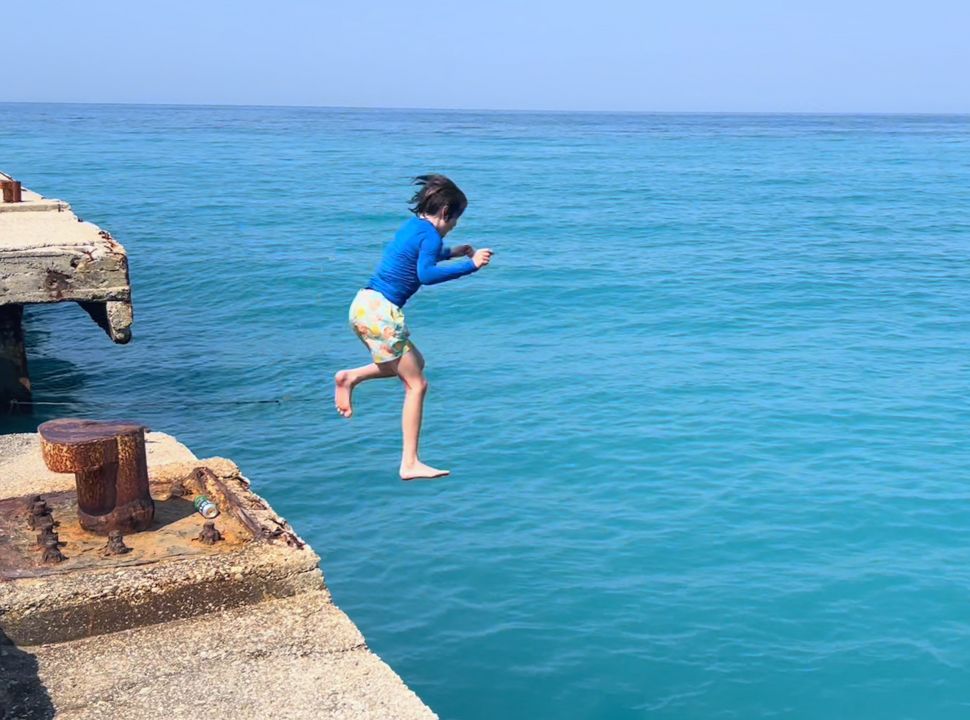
56 283
171 535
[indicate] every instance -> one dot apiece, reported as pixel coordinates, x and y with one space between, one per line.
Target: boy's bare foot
418 471
343 387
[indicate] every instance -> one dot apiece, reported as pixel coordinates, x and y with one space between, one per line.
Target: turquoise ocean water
707 412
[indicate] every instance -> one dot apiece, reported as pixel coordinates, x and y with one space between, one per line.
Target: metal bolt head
46 535
209 534
44 521
52 553
116 544
38 511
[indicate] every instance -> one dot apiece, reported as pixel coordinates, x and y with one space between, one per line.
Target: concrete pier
175 628
49 255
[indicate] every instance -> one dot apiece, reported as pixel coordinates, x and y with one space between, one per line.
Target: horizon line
496 110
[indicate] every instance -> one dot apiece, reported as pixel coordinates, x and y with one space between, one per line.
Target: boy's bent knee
416 384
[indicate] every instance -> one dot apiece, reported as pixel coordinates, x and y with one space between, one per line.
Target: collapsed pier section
49 255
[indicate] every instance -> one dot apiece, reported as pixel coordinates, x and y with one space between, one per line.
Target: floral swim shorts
380 325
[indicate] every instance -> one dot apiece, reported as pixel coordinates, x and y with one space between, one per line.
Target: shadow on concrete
22 694
170 511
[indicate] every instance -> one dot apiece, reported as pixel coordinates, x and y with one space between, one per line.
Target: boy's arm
447 253
429 252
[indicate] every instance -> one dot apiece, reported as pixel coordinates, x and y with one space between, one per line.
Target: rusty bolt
52 553
116 544
209 534
39 522
42 521
38 510
47 534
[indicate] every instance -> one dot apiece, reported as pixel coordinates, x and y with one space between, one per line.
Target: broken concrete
243 628
48 255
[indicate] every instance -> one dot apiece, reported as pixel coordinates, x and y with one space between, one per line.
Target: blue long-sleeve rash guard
410 261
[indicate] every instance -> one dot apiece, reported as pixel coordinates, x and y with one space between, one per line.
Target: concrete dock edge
282 651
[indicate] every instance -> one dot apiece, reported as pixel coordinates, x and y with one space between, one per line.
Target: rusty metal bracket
208 482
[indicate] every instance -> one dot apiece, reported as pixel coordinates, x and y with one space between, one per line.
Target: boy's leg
410 368
345 381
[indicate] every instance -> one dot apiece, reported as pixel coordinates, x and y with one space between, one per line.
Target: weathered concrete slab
168 575
294 658
248 631
48 255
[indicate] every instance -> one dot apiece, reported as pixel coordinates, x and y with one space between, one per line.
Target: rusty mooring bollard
11 191
109 465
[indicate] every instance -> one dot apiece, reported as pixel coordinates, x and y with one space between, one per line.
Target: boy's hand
462 251
482 257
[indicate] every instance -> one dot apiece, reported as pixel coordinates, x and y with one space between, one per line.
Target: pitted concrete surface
295 658
48 254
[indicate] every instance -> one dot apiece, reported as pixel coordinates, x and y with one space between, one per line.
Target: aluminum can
205 507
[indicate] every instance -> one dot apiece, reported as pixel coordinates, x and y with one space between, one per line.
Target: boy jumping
409 262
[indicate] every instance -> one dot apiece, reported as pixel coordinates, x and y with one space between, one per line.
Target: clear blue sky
686 55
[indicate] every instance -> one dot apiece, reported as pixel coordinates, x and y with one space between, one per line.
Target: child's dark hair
436 193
